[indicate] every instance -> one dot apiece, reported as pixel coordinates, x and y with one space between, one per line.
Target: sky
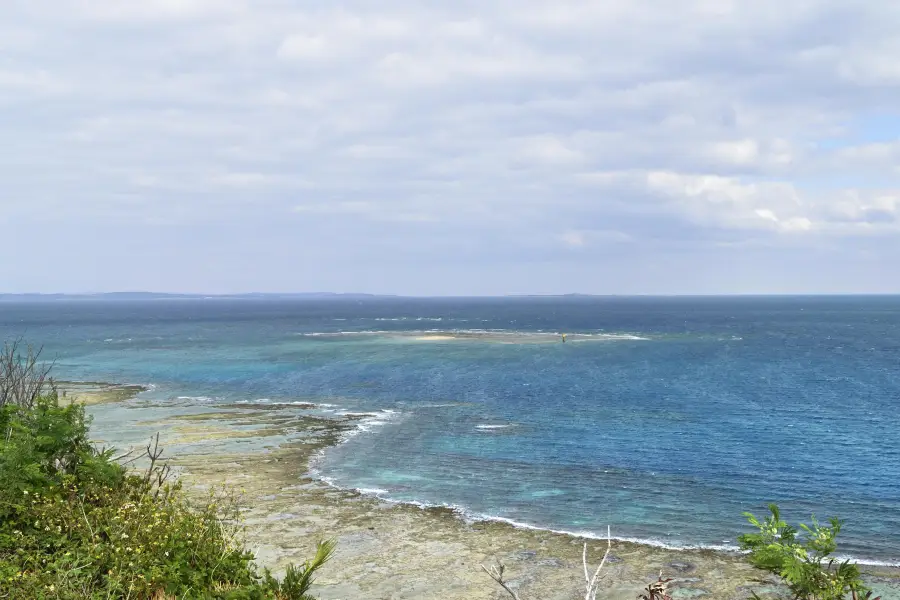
450 148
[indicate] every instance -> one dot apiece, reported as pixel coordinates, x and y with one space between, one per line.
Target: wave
478 333
372 421
276 403
369 422
468 516
203 399
436 319
371 491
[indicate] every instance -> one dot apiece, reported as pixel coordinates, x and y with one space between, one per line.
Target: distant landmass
160 296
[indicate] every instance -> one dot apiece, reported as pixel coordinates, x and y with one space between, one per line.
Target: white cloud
740 152
29 82
573 239
781 206
707 117
163 10
305 47
549 150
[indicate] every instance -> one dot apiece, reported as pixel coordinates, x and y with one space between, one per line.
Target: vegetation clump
803 557
78 523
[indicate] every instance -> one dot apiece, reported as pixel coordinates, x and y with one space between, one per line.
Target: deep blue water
683 414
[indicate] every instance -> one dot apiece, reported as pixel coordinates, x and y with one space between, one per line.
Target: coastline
389 549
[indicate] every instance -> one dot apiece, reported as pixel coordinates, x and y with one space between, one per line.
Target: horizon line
245 295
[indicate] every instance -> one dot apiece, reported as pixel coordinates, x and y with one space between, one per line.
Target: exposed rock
682 567
403 552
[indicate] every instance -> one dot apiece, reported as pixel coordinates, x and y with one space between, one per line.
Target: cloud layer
477 147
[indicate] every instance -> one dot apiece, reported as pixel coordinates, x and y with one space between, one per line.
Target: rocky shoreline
400 551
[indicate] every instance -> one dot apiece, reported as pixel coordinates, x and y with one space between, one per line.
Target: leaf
753 520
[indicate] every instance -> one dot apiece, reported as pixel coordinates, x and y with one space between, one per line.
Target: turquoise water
662 417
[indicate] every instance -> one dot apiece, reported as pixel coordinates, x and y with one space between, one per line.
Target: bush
803 560
74 523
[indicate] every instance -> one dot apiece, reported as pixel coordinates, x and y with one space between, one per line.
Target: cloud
305 47
586 238
550 151
703 121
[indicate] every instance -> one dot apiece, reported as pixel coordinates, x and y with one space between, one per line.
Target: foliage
803 557
658 590
74 523
297 581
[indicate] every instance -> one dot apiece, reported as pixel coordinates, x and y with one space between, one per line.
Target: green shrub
802 557
76 524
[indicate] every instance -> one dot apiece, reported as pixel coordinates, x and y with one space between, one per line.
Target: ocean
664 418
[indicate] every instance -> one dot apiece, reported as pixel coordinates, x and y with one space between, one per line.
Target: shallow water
664 418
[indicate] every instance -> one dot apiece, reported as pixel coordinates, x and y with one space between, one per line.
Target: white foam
376 420
370 422
572 336
491 427
276 403
372 491
204 399
869 562
471 517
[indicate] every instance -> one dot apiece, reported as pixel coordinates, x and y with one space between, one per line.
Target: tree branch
496 573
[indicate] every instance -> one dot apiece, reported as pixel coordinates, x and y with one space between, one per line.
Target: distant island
162 296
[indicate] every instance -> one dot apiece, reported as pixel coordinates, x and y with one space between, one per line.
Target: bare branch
86 521
584 562
496 573
591 583
591 589
23 377
121 456
153 452
134 459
